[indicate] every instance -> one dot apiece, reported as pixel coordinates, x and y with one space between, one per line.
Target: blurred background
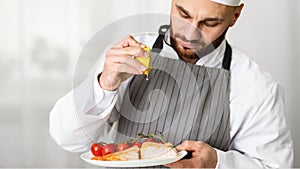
41 41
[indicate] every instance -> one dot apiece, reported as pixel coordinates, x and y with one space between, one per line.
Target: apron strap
158 46
227 57
159 43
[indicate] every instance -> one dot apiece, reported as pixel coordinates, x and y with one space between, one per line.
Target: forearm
76 121
262 139
235 159
282 158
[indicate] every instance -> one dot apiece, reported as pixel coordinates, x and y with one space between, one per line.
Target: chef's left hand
203 156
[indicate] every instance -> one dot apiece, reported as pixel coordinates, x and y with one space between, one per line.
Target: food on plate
149 140
148 151
108 149
154 151
143 147
96 149
137 143
122 146
131 153
145 61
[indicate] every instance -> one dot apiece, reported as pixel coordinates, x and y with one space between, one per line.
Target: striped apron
181 100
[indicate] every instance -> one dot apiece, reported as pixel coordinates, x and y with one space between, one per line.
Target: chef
203 95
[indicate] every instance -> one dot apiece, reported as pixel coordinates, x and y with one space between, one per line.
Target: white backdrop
41 41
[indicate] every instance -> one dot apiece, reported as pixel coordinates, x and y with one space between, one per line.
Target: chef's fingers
133 51
180 164
124 68
189 145
127 60
128 41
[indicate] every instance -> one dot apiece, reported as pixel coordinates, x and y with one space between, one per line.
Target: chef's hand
203 156
120 63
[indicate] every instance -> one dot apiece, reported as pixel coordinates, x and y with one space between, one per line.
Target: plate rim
132 163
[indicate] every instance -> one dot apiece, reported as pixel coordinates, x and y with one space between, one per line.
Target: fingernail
146 54
143 68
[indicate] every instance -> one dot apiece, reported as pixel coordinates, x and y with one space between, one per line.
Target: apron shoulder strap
158 44
227 57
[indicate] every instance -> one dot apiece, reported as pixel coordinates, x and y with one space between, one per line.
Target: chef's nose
192 32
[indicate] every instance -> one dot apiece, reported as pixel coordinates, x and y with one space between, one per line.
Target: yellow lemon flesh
145 61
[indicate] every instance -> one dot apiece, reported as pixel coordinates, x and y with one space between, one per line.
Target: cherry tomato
96 149
137 143
122 146
108 149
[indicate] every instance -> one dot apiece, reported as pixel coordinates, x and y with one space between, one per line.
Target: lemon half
145 61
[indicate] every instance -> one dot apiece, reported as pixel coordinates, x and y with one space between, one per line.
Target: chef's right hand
120 63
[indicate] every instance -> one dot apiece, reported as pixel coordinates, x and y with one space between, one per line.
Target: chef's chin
185 52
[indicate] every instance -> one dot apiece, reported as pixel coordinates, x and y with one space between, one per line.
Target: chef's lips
145 61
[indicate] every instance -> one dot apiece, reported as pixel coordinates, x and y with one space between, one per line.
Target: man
234 121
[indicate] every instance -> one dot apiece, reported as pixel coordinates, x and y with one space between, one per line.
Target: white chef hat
228 2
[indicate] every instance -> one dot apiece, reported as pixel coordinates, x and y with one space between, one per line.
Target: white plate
131 163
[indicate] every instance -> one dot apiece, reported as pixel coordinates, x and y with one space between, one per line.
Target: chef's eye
210 23
184 15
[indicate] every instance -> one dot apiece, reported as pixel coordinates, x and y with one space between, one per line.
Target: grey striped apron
182 100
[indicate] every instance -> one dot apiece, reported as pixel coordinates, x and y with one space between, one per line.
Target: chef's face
196 24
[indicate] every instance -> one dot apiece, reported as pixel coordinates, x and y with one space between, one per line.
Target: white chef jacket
260 137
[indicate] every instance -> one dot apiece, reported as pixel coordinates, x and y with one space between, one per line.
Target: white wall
267 30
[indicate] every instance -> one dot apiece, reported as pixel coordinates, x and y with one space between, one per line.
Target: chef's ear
236 15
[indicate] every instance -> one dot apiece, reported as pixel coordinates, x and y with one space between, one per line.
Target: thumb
129 41
189 145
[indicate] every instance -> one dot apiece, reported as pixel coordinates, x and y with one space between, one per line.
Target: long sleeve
77 119
88 113
80 117
260 136
265 141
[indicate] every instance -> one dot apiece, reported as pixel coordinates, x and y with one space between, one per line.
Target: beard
203 48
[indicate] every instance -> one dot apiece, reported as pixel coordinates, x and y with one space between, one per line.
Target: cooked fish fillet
131 153
153 151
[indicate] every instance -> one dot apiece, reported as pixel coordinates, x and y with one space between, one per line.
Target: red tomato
149 140
137 143
108 149
96 149
122 146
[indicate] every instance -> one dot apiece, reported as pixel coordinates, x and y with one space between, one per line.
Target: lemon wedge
145 61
